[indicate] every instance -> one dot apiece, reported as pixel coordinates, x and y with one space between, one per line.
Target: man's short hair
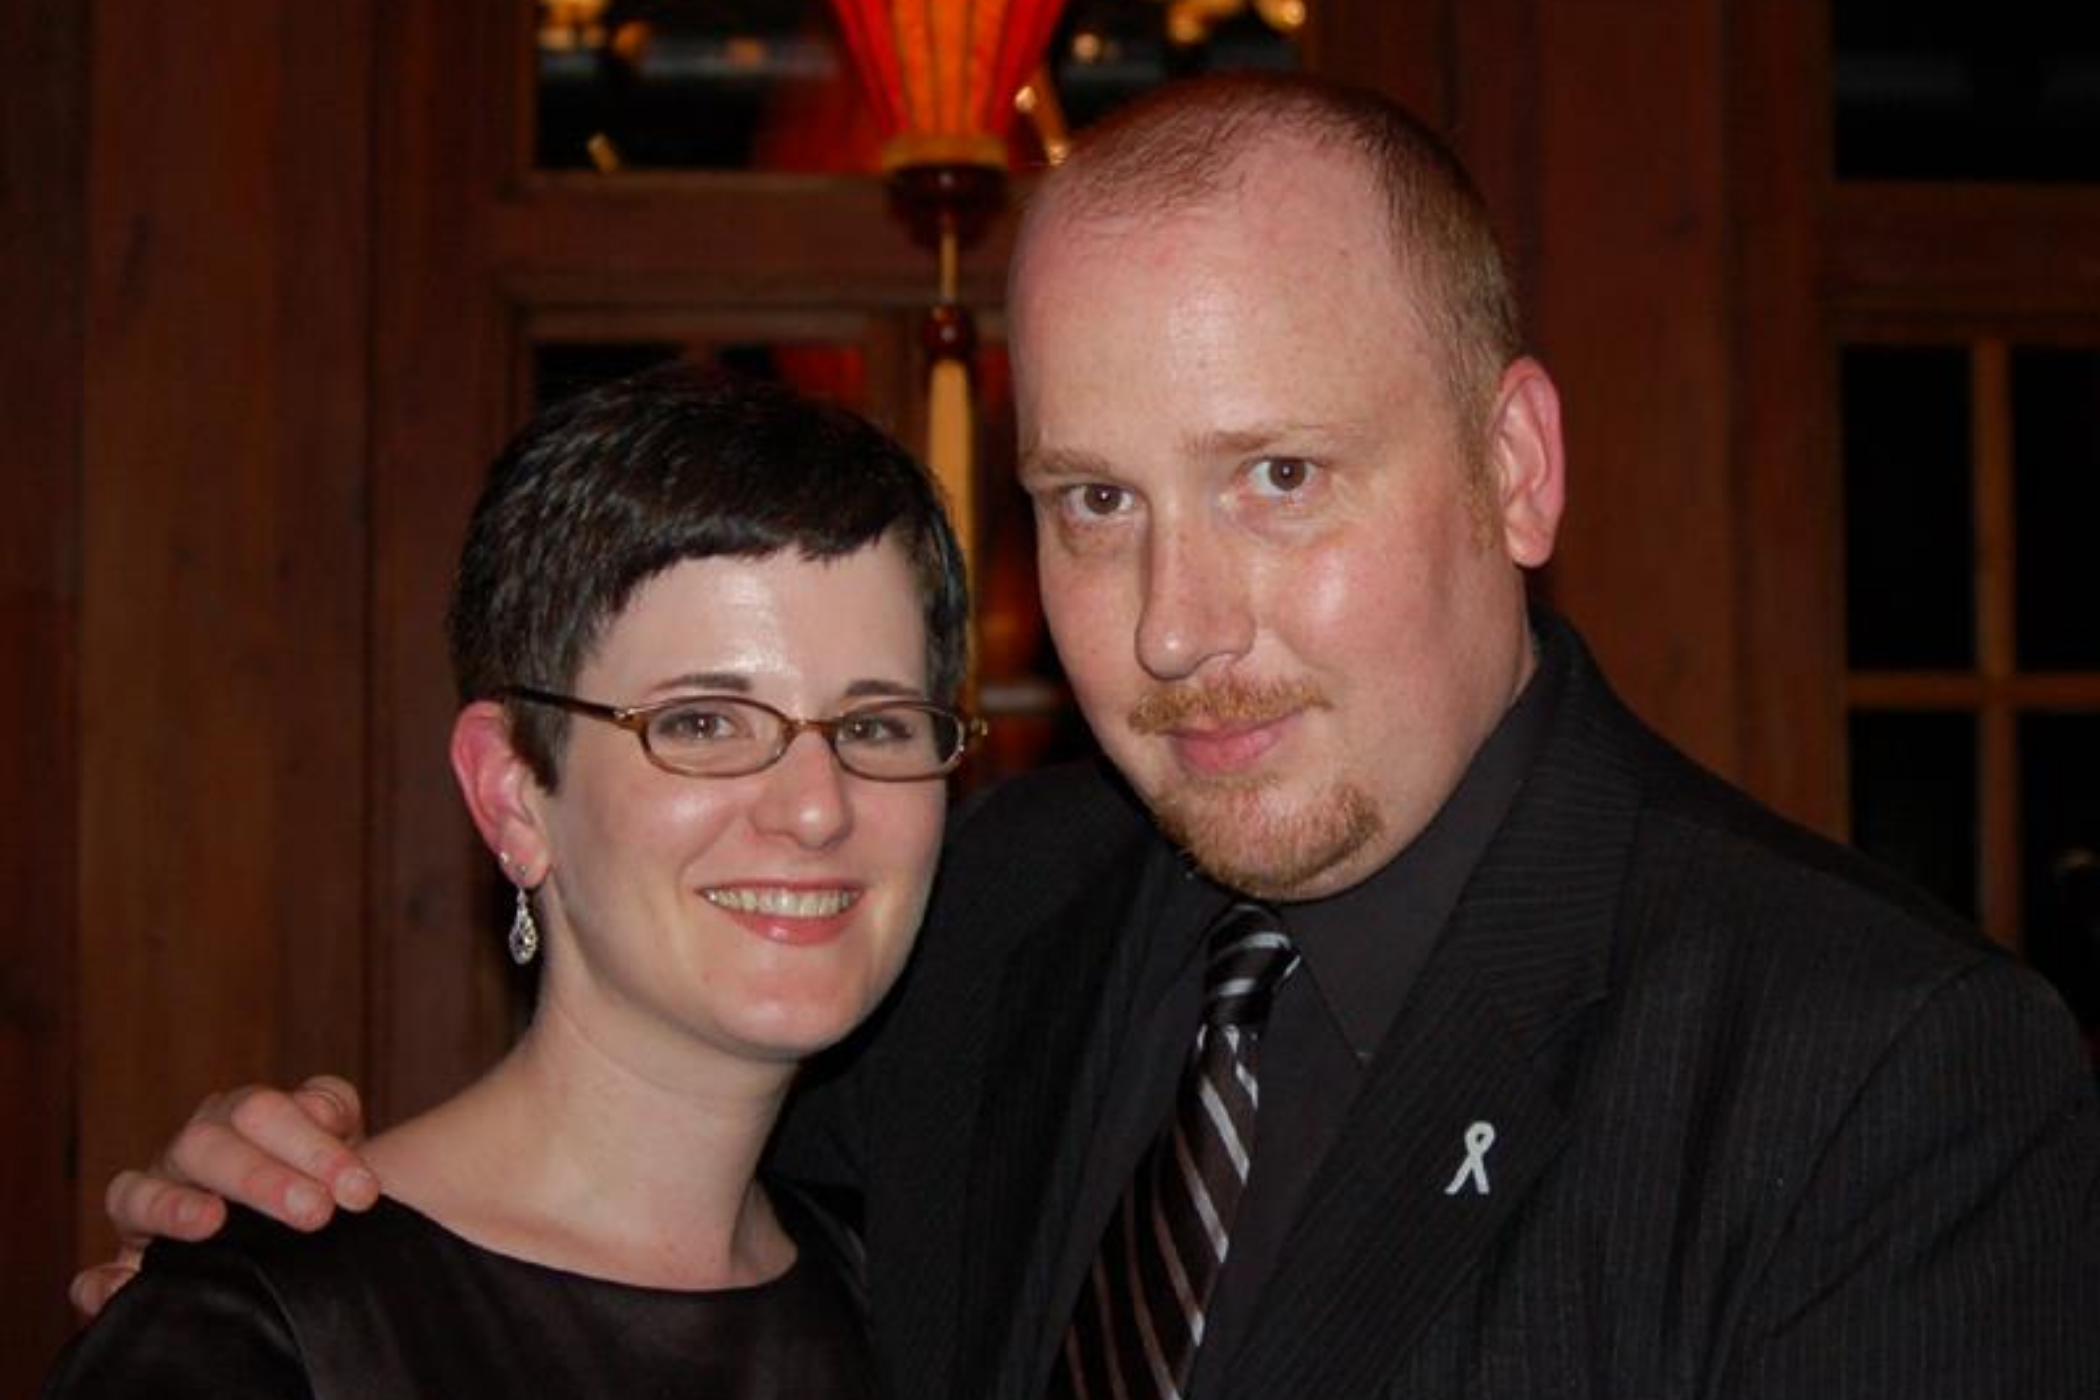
605 490
1182 145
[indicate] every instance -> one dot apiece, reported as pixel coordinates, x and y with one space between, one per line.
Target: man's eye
1096 500
1281 476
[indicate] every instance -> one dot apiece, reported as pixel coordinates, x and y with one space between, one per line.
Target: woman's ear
499 787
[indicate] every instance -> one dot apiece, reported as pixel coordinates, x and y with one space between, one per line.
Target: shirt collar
1364 946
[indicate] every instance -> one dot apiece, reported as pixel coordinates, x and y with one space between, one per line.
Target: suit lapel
970 1078
1384 1239
1047 1076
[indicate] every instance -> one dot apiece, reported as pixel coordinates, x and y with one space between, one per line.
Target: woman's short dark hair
604 490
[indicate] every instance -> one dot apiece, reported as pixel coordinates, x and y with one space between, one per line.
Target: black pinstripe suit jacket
1766 1122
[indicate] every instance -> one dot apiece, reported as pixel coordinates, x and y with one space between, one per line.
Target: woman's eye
696 724
881 727
1282 476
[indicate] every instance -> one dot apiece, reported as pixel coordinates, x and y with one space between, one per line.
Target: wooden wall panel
223 613
1633 314
1492 115
43 80
441 403
1791 652
1403 48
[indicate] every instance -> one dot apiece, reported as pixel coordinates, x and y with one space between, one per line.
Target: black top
1362 949
390 1303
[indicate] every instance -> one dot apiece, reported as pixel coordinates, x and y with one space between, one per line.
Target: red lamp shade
941 74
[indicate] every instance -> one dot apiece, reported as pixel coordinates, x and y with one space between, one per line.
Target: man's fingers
278 1153
258 1157
305 1131
143 1206
92 1288
332 1105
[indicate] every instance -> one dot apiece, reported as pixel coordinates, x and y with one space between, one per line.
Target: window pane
2004 91
561 369
1909 593
1108 51
767 84
1914 799
829 371
2060 817
2056 465
692 84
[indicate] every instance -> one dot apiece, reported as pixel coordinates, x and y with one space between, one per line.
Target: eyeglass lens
719 736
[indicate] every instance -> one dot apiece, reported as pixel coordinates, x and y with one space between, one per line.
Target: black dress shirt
1362 949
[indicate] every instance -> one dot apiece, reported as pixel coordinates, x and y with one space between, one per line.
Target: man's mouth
1225 728
1223 750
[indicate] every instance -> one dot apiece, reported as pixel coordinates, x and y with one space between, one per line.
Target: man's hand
285 1155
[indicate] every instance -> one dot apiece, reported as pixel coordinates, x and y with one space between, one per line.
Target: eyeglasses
728 736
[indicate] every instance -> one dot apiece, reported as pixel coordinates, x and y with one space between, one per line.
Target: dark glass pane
560 369
2056 466
1914 799
1108 51
834 372
1909 592
766 84
2004 91
2060 830
688 84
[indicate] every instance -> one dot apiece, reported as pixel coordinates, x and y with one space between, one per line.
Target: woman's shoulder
260 1309
203 1318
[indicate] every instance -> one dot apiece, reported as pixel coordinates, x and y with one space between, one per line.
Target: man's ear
501 792
1527 463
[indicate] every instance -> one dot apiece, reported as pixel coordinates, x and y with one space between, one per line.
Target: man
1589 1078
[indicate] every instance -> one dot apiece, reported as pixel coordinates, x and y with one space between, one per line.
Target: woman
704 633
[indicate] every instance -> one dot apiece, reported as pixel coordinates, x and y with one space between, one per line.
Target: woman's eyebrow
733 681
889 690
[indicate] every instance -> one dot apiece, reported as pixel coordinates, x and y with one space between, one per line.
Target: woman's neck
603 1163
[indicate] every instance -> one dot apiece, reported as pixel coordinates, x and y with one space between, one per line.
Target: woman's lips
794 914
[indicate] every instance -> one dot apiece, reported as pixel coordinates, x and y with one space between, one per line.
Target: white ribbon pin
1479 1138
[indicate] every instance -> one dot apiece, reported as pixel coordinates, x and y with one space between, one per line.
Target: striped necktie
1139 1319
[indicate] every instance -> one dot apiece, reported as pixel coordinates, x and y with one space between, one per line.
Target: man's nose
804 795
1195 606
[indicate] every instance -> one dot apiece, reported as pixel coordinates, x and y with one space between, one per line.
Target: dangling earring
524 933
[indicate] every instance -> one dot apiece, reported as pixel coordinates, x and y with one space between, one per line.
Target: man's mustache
1172 707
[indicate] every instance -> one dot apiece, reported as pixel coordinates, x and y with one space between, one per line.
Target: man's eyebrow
1061 464
1038 464
1262 437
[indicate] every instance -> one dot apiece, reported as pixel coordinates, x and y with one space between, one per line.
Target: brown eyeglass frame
635 719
